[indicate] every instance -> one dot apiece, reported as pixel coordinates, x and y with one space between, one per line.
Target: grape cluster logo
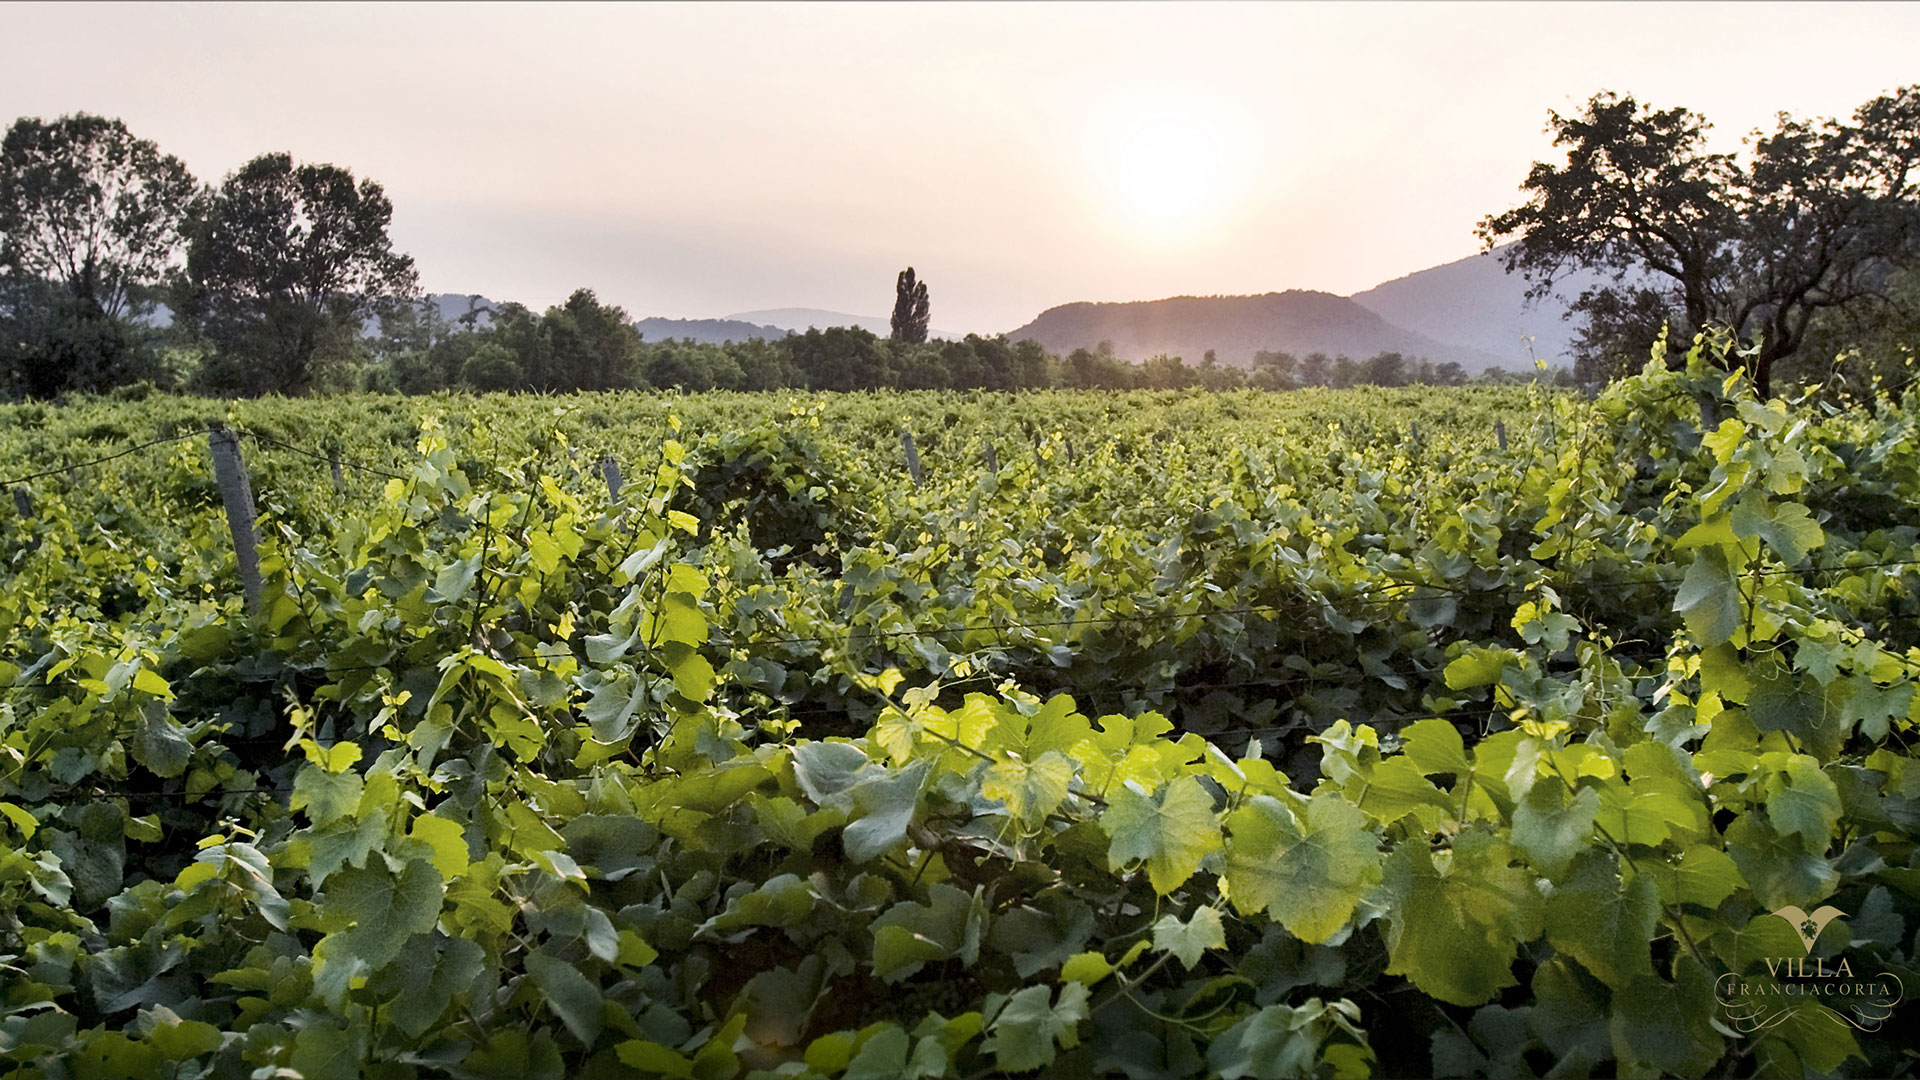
1824 985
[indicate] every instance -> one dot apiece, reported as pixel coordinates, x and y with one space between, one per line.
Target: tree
591 346
86 205
284 265
910 308
1813 221
838 358
1383 369
90 222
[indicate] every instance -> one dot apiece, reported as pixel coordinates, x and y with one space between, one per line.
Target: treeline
119 269
585 344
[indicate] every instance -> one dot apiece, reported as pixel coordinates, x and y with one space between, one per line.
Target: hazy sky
700 160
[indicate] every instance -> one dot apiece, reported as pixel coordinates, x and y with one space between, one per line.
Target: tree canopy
90 207
911 308
89 224
284 265
1813 218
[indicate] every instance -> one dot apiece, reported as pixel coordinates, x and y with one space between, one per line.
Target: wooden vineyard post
610 469
993 459
1500 433
913 458
236 495
23 500
333 466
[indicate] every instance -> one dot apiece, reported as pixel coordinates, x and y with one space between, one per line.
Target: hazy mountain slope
705 331
1476 304
1235 327
451 307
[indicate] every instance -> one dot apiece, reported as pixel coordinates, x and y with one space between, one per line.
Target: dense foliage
1815 224
1408 733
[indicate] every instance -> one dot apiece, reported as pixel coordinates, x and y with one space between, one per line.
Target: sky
705 159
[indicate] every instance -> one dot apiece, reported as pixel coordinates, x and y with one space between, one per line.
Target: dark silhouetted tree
90 222
910 308
284 265
1814 220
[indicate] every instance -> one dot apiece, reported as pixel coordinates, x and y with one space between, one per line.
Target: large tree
1813 218
90 222
910 308
284 266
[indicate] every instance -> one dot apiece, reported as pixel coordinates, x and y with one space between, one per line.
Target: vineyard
1471 732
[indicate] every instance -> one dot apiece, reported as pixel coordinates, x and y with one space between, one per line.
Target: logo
1825 985
1809 926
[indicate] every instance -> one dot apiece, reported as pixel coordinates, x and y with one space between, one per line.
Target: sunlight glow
1165 165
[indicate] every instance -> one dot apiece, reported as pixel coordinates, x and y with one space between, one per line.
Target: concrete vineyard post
236 495
913 458
610 469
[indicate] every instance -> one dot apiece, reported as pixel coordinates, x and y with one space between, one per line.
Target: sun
1162 166
1166 170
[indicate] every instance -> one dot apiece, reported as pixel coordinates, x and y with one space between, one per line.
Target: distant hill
1474 303
800 320
1236 327
453 306
705 331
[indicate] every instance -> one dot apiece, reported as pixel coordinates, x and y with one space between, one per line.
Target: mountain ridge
1234 328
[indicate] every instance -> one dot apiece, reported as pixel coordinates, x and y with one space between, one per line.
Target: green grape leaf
1804 800
909 935
1479 665
1086 967
181 1040
882 1057
1191 939
885 805
612 708
1456 924
325 796
1703 876
1782 700
342 843
1787 528
1551 829
325 1050
693 674
1026 1031
1780 869
1709 598
383 909
568 994
652 1059
430 970
1171 831
1307 871
1031 790
1666 1029
1569 1014
446 841
1602 923
825 769
1434 745
159 742
1397 788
